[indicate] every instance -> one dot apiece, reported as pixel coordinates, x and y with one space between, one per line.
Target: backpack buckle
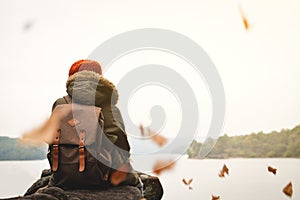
55 151
81 150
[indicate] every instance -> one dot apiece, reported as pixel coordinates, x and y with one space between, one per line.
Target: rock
114 193
152 190
14 198
55 192
152 187
46 172
42 182
39 197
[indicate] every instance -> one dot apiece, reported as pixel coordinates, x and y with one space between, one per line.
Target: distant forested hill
11 149
285 143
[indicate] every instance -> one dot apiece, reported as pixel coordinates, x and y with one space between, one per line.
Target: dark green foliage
12 149
285 143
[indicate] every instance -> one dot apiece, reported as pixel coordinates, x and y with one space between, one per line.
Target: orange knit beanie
90 65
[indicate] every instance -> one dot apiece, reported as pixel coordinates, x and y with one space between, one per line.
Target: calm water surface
248 178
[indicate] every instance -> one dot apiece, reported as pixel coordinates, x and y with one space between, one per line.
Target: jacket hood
90 88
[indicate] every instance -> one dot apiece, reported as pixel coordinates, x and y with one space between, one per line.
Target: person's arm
114 125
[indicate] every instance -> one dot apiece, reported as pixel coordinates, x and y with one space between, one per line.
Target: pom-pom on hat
89 65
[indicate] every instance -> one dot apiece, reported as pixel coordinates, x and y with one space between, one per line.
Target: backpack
77 156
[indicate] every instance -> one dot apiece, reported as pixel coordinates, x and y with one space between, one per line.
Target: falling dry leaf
40 135
158 139
288 189
188 183
245 20
120 175
221 174
246 24
272 170
213 197
46 132
163 165
142 130
184 181
224 171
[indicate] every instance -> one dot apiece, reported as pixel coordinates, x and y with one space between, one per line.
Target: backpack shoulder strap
68 99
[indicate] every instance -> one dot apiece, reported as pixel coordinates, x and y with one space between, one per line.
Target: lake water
248 178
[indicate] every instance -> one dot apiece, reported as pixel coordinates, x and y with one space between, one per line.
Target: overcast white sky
39 40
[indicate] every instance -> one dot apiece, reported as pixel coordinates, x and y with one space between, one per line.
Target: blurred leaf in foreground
158 139
288 189
163 165
120 175
45 132
142 130
155 137
245 20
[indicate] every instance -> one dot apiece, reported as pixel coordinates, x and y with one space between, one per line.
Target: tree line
12 149
285 143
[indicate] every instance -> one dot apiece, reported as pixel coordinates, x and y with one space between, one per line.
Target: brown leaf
158 139
45 133
245 20
190 181
213 197
41 135
184 181
246 23
120 175
221 174
224 171
288 189
163 165
272 170
142 130
187 182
